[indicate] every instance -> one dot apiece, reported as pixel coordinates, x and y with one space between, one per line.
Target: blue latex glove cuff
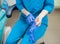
30 19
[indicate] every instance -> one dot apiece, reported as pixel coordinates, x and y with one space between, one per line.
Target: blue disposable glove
5 5
31 32
30 19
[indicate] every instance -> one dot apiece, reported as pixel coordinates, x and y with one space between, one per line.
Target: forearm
43 13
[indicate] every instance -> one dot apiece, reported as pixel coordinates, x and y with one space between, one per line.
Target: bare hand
38 21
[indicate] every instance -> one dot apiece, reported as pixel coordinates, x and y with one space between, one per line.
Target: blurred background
52 35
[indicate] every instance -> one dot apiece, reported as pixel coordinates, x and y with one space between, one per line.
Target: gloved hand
30 19
5 5
31 31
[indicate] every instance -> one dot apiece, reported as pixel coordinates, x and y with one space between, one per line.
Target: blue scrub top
36 6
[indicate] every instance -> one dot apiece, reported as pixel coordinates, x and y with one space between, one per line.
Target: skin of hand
38 21
39 18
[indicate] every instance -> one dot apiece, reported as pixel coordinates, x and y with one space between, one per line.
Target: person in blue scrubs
3 18
31 10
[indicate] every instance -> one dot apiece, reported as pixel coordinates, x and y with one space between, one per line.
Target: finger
38 23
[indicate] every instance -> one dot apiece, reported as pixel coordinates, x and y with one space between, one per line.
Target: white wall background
57 3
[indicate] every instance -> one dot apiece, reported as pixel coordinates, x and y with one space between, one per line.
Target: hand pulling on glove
30 18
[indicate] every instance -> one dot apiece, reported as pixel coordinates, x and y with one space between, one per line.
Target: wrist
40 17
43 13
25 12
